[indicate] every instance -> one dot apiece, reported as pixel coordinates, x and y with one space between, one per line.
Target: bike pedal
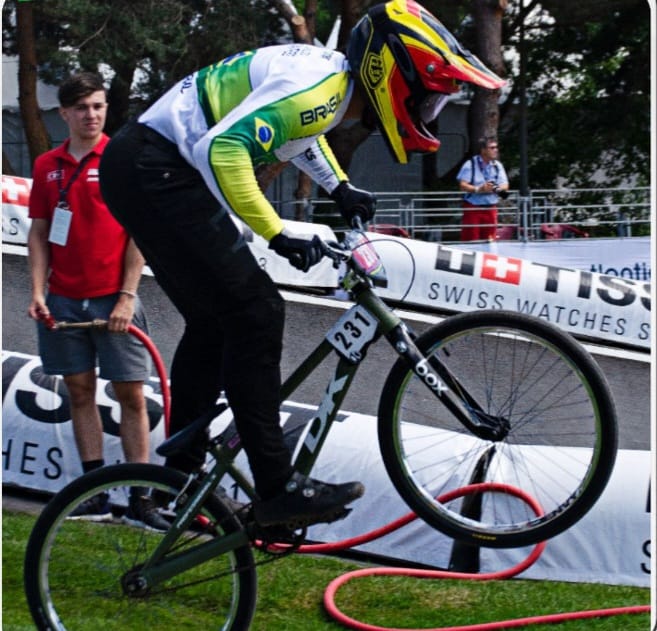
272 536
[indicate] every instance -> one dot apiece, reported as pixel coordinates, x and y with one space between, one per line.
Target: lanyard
485 169
63 191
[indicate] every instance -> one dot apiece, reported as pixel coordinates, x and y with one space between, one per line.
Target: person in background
484 181
84 266
178 176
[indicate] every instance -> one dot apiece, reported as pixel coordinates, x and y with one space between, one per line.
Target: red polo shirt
91 262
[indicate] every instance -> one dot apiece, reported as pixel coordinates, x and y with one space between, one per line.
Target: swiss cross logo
501 268
15 190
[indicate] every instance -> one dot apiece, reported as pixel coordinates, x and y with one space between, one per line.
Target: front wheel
557 433
83 574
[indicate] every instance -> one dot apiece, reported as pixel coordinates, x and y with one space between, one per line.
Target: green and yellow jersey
256 107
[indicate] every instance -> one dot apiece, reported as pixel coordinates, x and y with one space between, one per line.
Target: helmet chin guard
407 64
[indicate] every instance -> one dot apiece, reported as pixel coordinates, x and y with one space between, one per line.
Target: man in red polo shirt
89 267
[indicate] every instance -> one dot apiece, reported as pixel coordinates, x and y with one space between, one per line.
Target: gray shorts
120 356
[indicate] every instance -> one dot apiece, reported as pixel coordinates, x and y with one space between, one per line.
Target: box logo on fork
423 370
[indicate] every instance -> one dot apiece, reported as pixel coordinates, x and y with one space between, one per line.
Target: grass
290 595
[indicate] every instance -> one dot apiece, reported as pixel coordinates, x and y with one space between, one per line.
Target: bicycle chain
275 542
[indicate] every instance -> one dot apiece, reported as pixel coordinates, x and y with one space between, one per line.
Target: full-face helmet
407 64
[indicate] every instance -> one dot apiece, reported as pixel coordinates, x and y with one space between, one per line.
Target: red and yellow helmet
408 64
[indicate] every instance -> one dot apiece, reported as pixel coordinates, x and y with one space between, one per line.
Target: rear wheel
558 429
82 574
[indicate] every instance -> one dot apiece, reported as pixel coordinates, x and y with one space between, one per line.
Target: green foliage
327 13
587 76
588 95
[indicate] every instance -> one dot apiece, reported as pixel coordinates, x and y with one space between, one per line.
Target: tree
142 47
35 130
484 114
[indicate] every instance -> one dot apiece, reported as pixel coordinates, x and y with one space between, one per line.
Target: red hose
51 324
334 586
161 372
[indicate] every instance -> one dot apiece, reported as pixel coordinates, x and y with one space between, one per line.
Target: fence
544 214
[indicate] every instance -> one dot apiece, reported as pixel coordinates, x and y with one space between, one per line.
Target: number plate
352 332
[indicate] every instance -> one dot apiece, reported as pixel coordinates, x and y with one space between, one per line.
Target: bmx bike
484 398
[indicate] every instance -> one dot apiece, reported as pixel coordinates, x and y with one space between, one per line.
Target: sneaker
306 501
96 508
143 512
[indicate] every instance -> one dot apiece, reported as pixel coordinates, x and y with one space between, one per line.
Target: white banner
15 200
455 279
435 276
610 545
623 257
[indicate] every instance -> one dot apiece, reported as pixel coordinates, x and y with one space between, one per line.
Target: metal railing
544 214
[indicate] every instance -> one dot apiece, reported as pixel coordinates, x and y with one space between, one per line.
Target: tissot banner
451 278
623 257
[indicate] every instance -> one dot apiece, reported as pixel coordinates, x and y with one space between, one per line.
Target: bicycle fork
434 374
437 377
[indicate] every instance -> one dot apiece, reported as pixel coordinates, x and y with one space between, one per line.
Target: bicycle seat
183 439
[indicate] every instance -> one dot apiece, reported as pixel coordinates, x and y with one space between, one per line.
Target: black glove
302 251
354 202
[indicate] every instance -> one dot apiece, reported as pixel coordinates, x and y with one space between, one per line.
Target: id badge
61 223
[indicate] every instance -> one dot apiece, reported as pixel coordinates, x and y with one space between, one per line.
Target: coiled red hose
352 623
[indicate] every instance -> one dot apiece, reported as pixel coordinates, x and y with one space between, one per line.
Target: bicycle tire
73 569
560 446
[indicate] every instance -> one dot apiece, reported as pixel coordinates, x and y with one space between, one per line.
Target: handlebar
357 250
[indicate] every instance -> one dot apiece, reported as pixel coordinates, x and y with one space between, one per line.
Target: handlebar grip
295 259
49 321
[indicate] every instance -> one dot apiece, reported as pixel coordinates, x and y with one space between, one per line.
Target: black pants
233 313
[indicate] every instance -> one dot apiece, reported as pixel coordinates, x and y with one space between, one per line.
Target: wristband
127 292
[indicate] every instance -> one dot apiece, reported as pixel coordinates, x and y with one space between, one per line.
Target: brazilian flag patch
264 133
